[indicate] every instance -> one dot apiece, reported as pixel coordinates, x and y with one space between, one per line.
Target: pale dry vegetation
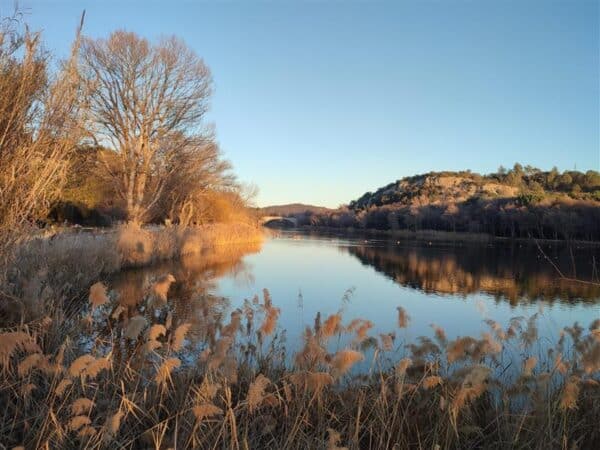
122 377
39 128
46 270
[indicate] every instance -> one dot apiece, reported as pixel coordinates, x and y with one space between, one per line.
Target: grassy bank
441 236
63 266
111 377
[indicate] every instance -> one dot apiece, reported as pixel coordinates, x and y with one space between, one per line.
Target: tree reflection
191 296
517 272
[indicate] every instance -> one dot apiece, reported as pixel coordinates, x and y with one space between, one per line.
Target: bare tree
193 172
145 102
39 128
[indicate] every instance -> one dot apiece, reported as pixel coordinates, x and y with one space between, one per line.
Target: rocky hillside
437 188
517 203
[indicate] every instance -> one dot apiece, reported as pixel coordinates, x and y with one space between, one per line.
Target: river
450 284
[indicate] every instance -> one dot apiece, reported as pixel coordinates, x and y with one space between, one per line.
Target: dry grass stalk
163 374
78 366
112 425
453 398
179 336
81 406
14 341
311 381
160 289
343 360
206 411
402 366
387 341
62 386
331 326
333 440
98 295
360 327
135 327
256 392
311 354
570 394
77 422
271 315
473 385
86 432
403 317
156 331
529 365
31 362
432 381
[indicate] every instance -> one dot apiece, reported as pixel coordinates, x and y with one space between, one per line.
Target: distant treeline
293 209
517 203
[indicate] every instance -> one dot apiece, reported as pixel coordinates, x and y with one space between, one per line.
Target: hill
293 209
520 202
444 187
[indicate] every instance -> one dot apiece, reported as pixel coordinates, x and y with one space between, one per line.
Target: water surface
453 285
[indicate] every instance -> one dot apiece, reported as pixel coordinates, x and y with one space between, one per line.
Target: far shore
438 236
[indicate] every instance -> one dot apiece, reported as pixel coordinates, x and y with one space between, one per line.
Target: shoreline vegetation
435 235
115 376
520 203
60 268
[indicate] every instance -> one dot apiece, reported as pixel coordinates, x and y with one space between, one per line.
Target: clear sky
318 101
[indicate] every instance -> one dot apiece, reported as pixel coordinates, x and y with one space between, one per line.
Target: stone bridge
265 220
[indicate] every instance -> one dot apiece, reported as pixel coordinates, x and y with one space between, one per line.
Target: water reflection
517 273
452 285
192 297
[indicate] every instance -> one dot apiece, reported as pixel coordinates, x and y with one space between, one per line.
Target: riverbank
440 236
62 266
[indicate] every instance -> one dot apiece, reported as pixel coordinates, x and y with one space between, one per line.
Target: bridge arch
266 220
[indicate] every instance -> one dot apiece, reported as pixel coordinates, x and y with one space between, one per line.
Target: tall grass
115 377
47 269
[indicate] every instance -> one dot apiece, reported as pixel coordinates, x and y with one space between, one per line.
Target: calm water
453 285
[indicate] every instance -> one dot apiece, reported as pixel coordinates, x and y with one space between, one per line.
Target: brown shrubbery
47 270
39 128
143 379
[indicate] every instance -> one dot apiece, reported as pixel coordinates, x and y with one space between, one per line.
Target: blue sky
318 101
